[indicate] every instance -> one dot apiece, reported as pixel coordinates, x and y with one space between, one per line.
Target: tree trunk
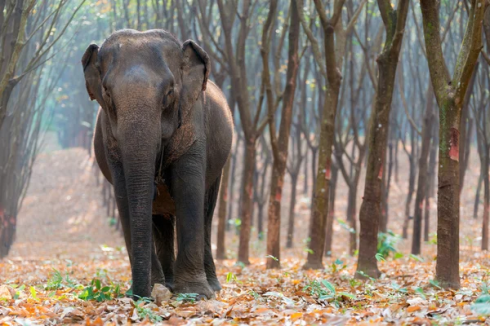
305 177
246 205
323 178
447 268
385 191
260 222
427 215
352 215
477 195
408 202
280 144
370 213
292 205
423 172
396 160
431 175
450 93
331 213
314 162
231 191
320 200
466 131
486 199
223 204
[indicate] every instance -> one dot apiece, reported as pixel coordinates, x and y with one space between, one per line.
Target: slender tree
450 93
483 135
482 119
279 142
330 67
28 33
350 146
261 191
370 214
423 171
251 124
293 168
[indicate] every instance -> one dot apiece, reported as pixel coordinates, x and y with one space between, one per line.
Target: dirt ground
62 215
63 227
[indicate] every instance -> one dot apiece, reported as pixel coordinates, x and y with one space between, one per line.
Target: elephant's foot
202 288
214 284
170 284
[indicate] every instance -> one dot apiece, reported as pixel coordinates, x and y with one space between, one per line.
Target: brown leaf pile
62 227
250 295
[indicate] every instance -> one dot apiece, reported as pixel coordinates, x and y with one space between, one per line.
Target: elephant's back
219 130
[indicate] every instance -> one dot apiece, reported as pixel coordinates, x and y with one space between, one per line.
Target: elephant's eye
168 98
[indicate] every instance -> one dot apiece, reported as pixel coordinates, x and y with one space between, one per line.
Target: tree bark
431 175
280 144
333 64
466 131
292 205
385 188
331 213
352 216
411 188
223 204
246 212
486 204
239 84
231 191
450 93
477 196
483 150
394 22
423 172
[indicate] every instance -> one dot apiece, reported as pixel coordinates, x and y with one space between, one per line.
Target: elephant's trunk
139 149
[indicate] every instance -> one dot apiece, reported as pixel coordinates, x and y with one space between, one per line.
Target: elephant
162 137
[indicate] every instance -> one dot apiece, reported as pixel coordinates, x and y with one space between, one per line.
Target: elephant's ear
92 73
195 72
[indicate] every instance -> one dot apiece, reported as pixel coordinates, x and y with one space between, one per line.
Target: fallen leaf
413 308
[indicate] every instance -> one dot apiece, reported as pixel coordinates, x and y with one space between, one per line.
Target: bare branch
314 42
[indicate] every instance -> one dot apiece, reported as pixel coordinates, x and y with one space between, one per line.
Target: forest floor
69 266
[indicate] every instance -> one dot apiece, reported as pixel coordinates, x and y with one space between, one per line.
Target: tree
293 168
450 93
422 184
330 67
482 121
279 142
370 214
28 34
251 123
261 192
350 146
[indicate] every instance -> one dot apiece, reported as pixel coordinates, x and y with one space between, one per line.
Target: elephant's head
146 83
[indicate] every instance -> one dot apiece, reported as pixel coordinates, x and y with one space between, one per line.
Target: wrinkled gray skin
159 112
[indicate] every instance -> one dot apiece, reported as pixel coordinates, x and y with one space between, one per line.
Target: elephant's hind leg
163 236
210 204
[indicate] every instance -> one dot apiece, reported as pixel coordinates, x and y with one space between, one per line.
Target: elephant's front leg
187 186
